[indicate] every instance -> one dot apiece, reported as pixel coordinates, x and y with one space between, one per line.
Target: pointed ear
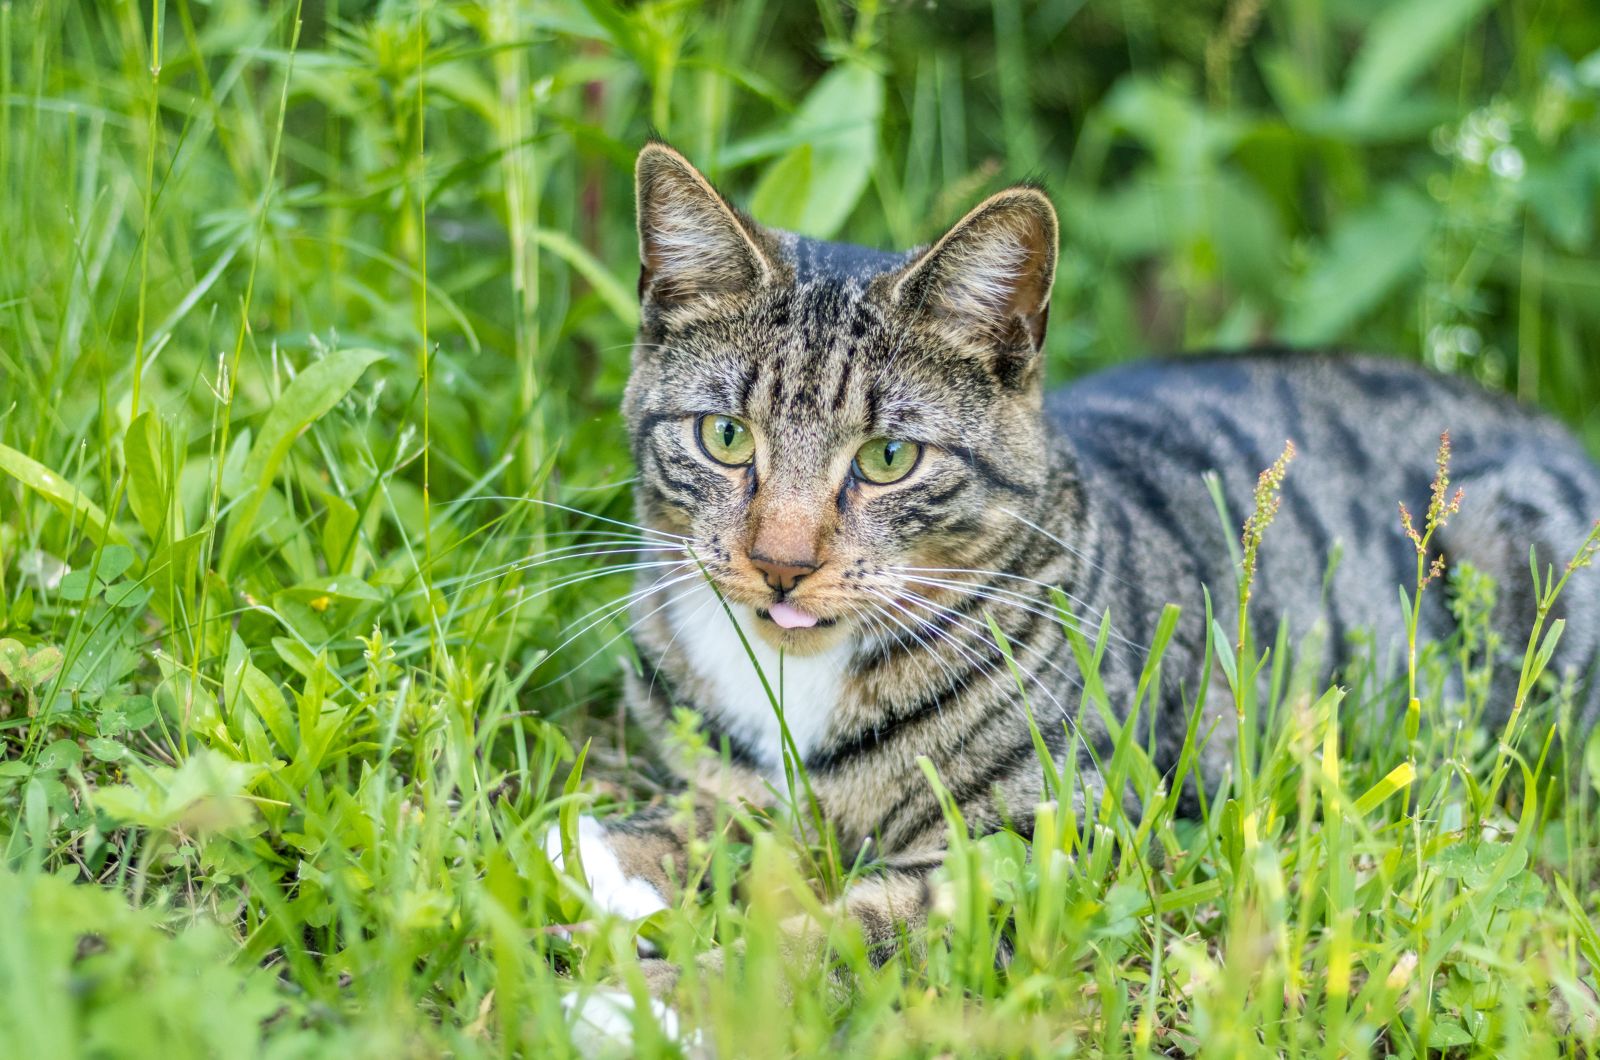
989 277
692 243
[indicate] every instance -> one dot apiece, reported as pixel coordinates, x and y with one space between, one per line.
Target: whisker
1072 550
590 575
671 569
693 616
481 577
973 626
1048 586
610 540
983 634
1073 680
1024 603
461 610
629 628
506 498
599 486
954 675
982 663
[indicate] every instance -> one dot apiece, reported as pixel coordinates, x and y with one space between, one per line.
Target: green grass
313 324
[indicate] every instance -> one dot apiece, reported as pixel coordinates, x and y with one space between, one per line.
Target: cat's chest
729 671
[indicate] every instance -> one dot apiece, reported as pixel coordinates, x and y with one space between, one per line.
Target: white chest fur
808 690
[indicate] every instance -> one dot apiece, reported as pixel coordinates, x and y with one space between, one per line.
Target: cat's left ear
694 246
989 277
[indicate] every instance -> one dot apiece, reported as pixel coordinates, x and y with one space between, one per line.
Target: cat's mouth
788 616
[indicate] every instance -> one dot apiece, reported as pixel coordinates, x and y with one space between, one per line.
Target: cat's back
1361 415
1363 427
1366 431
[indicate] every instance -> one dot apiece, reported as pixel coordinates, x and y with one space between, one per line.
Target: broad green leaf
1525 890
1448 1034
1562 193
107 750
76 587
1406 39
246 688
60 754
268 700
343 586
26 669
338 531
13 657
780 198
815 185
171 572
63 494
148 486
114 560
203 795
128 595
1365 260
295 654
312 394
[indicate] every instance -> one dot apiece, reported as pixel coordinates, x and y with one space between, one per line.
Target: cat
852 454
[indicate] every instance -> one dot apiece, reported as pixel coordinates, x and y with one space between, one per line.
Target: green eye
884 460
726 440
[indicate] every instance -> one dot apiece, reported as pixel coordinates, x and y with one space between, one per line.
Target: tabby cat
852 453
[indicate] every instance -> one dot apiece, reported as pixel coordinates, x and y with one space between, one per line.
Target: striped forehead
817 361
841 371
813 374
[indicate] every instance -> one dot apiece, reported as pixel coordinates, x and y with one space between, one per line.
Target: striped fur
1096 490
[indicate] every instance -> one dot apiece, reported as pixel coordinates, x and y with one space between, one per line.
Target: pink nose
781 575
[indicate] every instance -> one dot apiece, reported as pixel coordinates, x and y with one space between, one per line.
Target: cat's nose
781 574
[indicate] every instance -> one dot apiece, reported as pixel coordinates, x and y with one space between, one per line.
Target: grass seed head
1268 499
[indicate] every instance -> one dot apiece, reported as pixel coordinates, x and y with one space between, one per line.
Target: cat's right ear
693 244
988 279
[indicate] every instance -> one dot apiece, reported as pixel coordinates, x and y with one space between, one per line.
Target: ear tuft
989 277
692 243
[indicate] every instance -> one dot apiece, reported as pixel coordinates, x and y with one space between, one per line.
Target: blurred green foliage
310 311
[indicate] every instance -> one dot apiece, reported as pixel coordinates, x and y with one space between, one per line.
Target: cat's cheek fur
614 891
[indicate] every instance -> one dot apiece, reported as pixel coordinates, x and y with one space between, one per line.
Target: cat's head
813 416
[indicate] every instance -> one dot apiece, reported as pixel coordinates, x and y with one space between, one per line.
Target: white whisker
629 628
985 666
977 628
954 675
1024 603
481 577
1071 550
587 515
1088 609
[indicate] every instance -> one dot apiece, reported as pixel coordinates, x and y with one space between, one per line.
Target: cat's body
778 381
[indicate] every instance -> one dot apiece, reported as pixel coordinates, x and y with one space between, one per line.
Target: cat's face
813 419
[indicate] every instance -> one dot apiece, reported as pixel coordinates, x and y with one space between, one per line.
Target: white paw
613 890
602 1023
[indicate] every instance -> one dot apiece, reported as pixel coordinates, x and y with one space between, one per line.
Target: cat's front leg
622 879
634 866
889 905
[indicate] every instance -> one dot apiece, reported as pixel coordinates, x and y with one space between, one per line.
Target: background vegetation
313 321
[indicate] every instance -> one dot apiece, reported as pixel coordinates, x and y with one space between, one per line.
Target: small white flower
43 568
1507 163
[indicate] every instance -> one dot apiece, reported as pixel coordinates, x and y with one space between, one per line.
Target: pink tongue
791 617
